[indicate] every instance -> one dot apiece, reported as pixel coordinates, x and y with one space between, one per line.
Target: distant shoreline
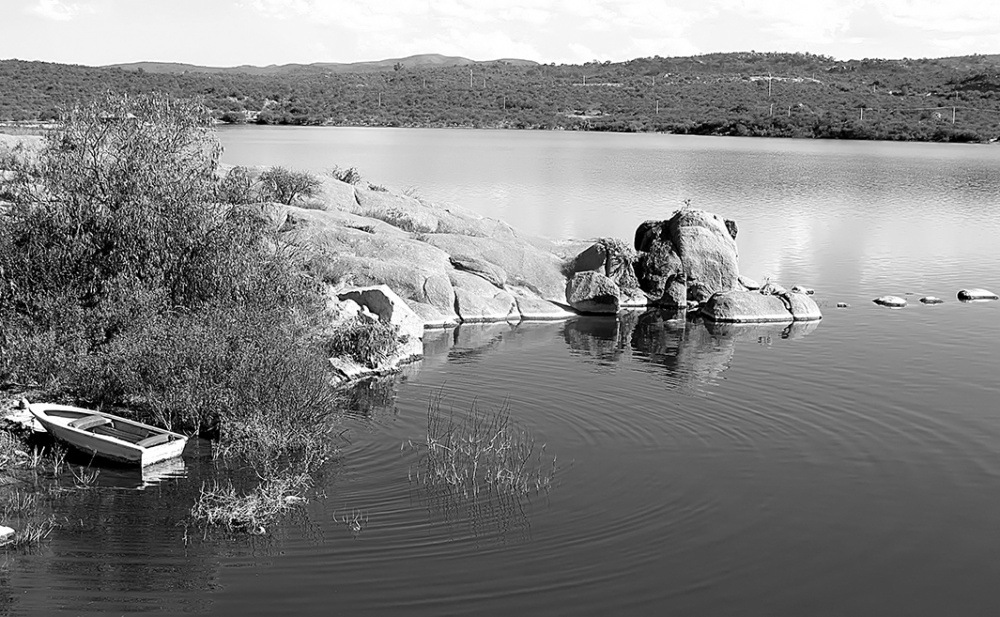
39 129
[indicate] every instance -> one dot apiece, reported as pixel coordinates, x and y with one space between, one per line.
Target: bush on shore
124 281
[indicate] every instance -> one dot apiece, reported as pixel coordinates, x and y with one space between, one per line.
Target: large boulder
476 300
524 264
740 306
492 274
593 292
687 257
616 260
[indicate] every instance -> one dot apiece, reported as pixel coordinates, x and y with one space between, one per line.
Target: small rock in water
931 300
976 293
798 289
890 301
842 305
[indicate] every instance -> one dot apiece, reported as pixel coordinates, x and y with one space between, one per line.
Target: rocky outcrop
449 266
740 306
688 257
593 292
452 267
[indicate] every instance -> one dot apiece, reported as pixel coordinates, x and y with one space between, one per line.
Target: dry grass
223 505
32 533
482 452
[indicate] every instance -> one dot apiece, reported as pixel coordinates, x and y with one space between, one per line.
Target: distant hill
420 61
739 93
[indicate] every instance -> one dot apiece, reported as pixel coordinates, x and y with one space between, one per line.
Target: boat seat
89 422
155 440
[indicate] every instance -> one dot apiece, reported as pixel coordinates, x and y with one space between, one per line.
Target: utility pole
862 115
657 108
379 99
771 112
953 115
768 85
470 79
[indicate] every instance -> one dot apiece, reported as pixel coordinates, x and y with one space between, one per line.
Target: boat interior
125 431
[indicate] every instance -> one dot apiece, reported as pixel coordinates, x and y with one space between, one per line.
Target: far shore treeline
745 94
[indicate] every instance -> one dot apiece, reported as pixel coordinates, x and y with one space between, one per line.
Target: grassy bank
134 276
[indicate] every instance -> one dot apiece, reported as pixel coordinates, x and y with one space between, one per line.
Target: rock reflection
692 350
369 400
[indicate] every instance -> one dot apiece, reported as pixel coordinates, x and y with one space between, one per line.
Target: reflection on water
691 351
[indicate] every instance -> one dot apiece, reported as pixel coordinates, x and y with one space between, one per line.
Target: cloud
56 10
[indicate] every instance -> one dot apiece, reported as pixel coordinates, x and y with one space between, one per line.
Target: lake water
849 467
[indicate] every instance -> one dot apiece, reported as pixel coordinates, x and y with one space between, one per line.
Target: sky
263 32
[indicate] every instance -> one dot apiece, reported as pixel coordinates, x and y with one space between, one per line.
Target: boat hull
108 436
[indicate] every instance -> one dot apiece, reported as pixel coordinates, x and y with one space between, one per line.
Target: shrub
349 175
117 198
124 281
368 342
237 187
285 186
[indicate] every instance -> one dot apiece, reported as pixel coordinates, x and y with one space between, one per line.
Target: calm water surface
849 467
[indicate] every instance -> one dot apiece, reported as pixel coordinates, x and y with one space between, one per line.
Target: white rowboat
108 436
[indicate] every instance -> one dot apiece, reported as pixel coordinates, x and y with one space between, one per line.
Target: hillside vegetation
759 94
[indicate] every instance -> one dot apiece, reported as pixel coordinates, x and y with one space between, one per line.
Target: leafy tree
118 196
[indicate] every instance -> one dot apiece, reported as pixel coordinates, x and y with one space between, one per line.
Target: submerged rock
798 289
976 293
931 300
890 301
843 305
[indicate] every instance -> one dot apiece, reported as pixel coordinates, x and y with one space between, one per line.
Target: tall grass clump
366 341
482 452
222 505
